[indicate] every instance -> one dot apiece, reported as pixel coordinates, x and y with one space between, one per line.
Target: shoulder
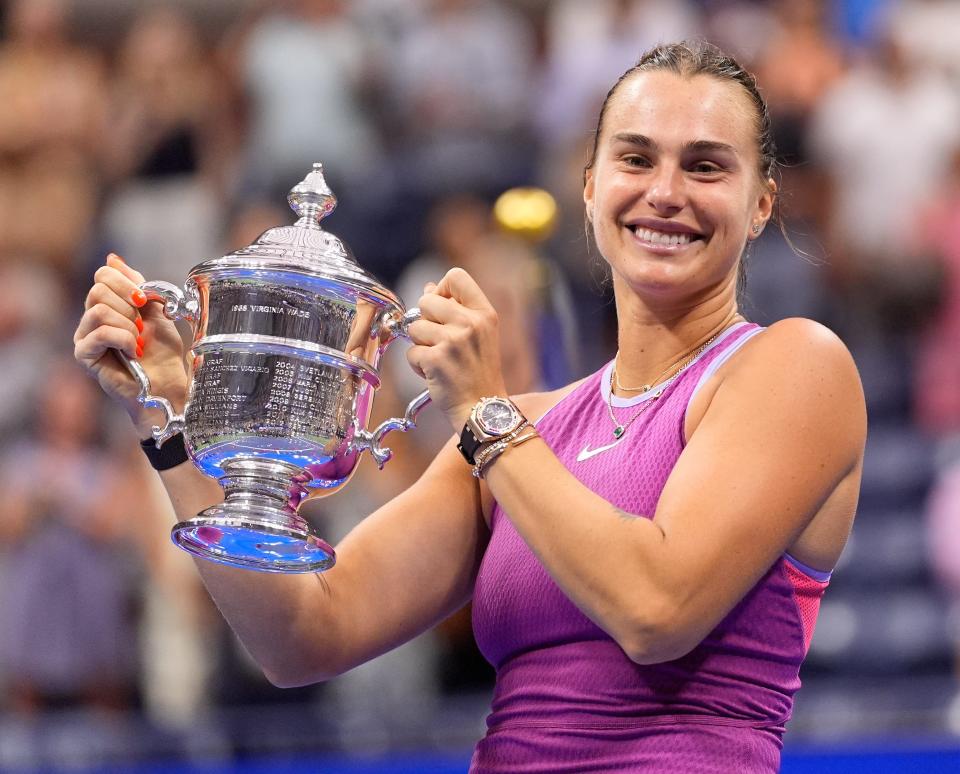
796 367
805 348
801 369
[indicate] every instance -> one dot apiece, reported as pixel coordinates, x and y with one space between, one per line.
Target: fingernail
140 342
138 297
139 323
114 255
139 351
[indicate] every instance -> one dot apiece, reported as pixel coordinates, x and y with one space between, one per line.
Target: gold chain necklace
618 428
643 387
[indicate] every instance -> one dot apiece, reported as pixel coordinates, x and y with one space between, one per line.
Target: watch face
497 417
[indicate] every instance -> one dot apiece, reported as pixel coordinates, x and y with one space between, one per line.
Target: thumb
463 288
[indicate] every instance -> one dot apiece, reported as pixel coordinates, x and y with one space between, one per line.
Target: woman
646 565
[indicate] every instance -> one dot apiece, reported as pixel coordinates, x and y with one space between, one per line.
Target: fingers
104 315
414 354
90 348
461 287
116 262
440 309
114 287
102 294
425 332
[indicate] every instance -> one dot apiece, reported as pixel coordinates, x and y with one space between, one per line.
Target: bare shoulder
803 339
807 355
795 365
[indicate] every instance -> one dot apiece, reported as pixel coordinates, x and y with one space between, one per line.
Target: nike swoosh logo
587 452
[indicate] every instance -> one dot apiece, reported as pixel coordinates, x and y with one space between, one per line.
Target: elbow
648 651
285 677
297 672
655 639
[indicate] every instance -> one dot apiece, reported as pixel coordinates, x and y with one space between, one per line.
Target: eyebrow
700 146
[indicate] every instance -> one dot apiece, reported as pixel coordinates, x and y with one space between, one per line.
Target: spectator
68 633
167 150
884 130
459 82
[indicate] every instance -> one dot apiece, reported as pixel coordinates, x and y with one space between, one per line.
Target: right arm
400 571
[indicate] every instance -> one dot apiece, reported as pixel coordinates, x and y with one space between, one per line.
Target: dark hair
690 58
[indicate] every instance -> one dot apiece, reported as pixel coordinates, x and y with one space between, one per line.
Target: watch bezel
488 430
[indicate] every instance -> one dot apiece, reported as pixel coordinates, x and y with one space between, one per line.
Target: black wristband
172 453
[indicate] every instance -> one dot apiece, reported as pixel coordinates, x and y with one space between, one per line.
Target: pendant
618 431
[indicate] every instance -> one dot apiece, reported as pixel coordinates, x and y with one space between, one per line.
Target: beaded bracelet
172 453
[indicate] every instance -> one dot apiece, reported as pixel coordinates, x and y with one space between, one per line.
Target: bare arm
779 445
399 571
782 436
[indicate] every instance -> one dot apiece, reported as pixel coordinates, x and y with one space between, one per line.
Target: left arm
784 431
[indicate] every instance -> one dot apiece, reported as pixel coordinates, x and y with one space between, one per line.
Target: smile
661 239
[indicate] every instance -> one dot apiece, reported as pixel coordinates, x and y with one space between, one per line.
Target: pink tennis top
567 698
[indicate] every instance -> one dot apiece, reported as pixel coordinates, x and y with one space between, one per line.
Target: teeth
661 238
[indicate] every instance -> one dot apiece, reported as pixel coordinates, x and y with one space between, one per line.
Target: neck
654 341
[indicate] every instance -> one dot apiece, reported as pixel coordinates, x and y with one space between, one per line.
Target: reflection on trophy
288 333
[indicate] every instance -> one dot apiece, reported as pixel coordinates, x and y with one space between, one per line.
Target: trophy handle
176 305
370 440
398 325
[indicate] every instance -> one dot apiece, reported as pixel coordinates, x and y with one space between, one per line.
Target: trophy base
254 530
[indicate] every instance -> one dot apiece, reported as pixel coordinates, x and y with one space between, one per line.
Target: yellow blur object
530 213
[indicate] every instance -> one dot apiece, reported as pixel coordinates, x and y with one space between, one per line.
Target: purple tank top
567 698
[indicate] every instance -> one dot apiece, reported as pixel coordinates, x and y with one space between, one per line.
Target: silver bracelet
494 450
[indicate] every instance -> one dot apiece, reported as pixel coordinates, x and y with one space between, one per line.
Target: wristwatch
490 419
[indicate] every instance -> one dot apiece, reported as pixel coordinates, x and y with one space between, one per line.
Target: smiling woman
646 558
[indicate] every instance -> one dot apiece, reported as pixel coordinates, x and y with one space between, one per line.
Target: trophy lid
304 247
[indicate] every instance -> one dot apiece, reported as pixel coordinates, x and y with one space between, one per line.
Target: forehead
671 108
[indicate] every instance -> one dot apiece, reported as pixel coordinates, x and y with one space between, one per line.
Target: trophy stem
257 525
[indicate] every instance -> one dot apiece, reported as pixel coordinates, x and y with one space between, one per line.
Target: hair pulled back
690 58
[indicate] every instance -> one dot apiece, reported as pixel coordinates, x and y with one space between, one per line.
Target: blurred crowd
174 137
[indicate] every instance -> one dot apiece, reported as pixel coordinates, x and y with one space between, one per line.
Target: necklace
643 387
618 428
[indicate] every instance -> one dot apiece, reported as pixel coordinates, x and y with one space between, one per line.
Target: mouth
672 240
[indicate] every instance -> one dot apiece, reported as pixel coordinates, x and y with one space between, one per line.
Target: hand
457 346
117 317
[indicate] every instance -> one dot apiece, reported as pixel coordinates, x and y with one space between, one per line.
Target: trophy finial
312 198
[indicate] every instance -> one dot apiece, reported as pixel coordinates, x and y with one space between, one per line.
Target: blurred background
170 132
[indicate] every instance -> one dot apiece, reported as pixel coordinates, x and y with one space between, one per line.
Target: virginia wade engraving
271 310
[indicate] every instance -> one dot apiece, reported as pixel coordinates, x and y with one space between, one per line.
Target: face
674 191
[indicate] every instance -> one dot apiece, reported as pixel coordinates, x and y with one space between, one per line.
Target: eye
636 160
706 167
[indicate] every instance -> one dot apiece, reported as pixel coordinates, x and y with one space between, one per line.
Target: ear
764 208
588 191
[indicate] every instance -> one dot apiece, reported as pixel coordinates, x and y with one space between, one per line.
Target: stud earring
756 229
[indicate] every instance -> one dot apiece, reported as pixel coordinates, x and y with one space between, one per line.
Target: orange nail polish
139 323
139 351
140 342
138 297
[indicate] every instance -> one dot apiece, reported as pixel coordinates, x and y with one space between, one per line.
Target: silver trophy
288 333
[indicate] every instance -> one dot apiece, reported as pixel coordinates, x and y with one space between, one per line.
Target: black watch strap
469 444
172 453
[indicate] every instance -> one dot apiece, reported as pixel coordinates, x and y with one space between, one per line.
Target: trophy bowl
287 336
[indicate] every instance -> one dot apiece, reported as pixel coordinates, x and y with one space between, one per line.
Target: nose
665 193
